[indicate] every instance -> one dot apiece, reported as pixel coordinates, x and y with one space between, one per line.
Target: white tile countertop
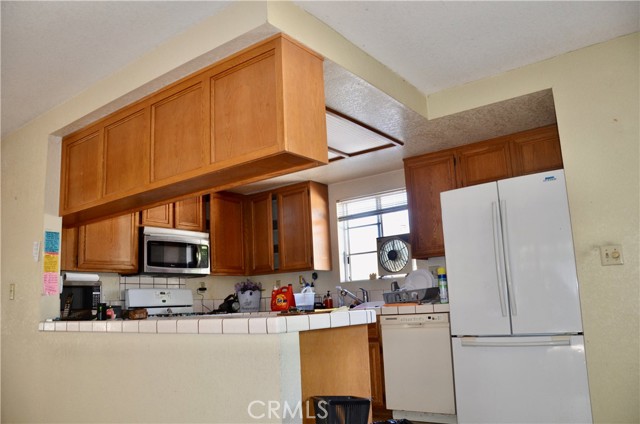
240 323
426 308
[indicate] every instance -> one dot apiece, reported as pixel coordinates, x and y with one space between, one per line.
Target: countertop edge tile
130 327
169 326
441 307
389 310
340 319
255 323
187 326
358 317
99 326
235 325
319 321
424 309
210 326
276 325
145 326
114 326
85 326
73 326
258 325
297 323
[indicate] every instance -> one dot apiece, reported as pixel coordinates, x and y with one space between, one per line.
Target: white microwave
165 251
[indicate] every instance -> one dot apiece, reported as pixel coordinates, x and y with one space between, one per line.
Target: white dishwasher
418 369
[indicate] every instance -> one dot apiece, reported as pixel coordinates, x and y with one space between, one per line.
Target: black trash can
341 409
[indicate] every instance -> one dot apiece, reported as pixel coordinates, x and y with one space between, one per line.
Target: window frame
343 219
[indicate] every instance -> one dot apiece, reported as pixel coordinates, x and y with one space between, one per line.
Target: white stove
160 302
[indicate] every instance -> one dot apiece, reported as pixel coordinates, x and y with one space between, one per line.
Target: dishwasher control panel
414 319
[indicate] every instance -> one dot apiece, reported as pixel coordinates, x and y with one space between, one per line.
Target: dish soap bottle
328 301
442 285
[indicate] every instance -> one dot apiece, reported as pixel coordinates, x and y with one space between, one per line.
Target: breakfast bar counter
275 363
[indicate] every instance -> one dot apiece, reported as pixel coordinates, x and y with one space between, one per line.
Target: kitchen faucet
365 295
344 292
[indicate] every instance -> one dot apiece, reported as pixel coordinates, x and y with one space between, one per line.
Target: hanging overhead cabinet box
255 115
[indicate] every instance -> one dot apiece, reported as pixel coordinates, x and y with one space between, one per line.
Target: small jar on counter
101 313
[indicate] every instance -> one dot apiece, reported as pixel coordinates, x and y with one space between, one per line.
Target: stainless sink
369 305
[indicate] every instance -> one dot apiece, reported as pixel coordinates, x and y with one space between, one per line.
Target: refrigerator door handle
497 247
507 265
551 341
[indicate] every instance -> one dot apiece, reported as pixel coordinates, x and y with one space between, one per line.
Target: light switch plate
611 255
36 251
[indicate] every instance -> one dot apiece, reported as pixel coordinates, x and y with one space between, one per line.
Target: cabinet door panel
244 109
294 229
260 217
178 133
377 379
484 162
82 168
189 214
110 245
69 249
160 216
426 178
227 234
536 151
126 143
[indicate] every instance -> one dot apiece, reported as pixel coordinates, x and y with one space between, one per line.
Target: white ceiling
53 50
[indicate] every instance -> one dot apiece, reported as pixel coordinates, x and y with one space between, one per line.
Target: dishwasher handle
415 326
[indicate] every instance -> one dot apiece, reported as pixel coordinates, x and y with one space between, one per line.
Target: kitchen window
360 222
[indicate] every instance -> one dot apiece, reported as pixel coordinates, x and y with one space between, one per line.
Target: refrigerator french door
513 301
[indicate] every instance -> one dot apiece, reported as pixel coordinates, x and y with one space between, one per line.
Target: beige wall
596 93
44 376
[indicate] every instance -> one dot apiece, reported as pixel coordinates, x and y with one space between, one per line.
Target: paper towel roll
76 276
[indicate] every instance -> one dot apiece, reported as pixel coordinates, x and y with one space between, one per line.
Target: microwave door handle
198 257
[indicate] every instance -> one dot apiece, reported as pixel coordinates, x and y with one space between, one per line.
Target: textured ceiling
53 50
440 44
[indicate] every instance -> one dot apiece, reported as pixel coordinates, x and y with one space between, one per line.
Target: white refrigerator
518 347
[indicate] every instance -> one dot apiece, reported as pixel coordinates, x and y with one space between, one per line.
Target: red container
282 298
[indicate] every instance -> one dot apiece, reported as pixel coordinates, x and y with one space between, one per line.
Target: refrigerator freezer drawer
535 379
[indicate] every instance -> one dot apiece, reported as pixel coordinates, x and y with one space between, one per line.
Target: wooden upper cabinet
110 245
270 100
303 227
481 163
255 115
227 234
536 151
260 226
179 141
69 249
426 177
126 153
244 108
189 214
160 216
185 214
81 177
294 228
